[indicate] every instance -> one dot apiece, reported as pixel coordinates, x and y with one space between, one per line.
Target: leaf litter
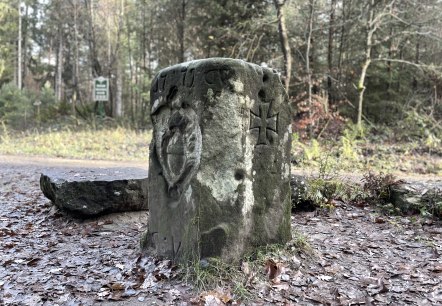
351 256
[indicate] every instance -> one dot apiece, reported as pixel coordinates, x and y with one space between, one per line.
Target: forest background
364 77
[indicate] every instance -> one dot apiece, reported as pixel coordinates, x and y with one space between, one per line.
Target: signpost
101 93
101 89
37 103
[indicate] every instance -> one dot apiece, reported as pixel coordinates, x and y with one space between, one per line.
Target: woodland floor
350 255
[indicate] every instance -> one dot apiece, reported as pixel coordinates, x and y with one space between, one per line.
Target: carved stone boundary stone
219 170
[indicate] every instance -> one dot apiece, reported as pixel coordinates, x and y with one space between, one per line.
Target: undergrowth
362 150
377 189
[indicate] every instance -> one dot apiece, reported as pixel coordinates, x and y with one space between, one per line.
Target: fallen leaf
117 286
281 286
325 278
33 262
436 268
272 269
215 298
245 268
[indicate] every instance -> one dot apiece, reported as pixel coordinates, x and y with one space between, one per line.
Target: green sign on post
101 89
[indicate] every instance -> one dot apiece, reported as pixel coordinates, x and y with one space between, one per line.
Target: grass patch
239 280
209 273
213 274
352 151
104 144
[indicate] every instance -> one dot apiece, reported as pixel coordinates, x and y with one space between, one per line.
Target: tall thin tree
283 36
19 48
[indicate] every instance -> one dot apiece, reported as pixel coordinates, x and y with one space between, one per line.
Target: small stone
129 292
296 262
204 263
413 197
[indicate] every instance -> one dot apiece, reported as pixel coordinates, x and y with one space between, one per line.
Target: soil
346 256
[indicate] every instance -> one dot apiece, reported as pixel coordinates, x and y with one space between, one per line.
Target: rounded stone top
215 73
214 61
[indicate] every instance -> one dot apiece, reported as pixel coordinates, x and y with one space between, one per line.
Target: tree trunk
117 109
331 32
389 68
342 43
131 73
181 30
58 78
76 60
24 31
93 57
371 28
416 60
283 36
19 51
307 58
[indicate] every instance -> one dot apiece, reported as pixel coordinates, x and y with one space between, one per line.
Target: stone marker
88 193
418 197
219 169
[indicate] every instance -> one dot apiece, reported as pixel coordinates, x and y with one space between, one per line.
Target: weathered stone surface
412 197
219 171
299 188
418 197
87 193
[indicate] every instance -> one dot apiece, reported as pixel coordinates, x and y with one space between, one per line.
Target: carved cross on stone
265 122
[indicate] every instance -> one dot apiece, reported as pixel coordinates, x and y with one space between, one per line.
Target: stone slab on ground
408 196
418 197
87 193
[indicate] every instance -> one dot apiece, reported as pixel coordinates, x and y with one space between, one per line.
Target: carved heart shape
178 147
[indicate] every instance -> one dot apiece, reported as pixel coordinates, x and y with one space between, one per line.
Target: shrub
15 106
378 186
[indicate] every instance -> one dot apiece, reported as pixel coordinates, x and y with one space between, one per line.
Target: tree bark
283 36
117 109
131 72
416 60
331 32
181 29
389 68
19 51
76 60
58 78
24 31
307 57
370 29
93 56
